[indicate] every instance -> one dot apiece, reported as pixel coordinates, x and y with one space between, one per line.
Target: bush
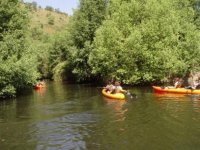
51 20
49 8
8 91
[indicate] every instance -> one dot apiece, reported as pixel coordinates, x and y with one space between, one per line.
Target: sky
63 5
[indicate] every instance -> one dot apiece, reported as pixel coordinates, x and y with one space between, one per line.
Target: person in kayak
42 83
118 88
109 87
197 83
192 84
178 83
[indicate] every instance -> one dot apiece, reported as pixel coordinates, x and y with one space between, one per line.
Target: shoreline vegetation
136 42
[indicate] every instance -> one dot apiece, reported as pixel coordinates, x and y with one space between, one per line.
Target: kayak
118 96
176 90
37 86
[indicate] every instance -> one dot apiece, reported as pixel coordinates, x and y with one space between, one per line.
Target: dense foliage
146 41
17 64
70 49
84 23
133 41
60 56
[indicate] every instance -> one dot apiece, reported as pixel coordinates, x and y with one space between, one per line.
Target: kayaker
41 83
118 88
109 87
198 83
178 83
191 83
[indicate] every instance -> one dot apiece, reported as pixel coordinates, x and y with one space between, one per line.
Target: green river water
77 117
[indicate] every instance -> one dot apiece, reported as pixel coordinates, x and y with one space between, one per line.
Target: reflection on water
178 99
168 96
40 92
117 107
63 116
179 106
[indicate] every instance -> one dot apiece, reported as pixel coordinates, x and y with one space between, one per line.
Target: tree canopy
146 41
17 64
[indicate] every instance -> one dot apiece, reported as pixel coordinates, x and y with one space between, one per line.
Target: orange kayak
117 96
176 90
37 86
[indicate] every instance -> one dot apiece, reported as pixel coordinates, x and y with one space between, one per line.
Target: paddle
131 95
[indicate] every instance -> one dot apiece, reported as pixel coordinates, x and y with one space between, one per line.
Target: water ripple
67 132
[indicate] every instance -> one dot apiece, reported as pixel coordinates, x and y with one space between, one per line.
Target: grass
49 22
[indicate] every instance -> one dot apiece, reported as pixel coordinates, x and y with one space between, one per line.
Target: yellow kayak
176 90
118 96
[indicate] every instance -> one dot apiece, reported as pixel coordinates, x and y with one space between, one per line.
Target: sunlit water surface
77 117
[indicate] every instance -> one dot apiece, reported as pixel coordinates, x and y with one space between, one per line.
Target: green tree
196 6
17 63
85 21
49 8
146 41
60 56
34 5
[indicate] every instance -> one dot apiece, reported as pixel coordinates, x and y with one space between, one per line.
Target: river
77 117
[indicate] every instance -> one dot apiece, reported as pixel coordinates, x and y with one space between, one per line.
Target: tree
49 8
60 56
195 4
34 5
146 41
84 23
17 64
